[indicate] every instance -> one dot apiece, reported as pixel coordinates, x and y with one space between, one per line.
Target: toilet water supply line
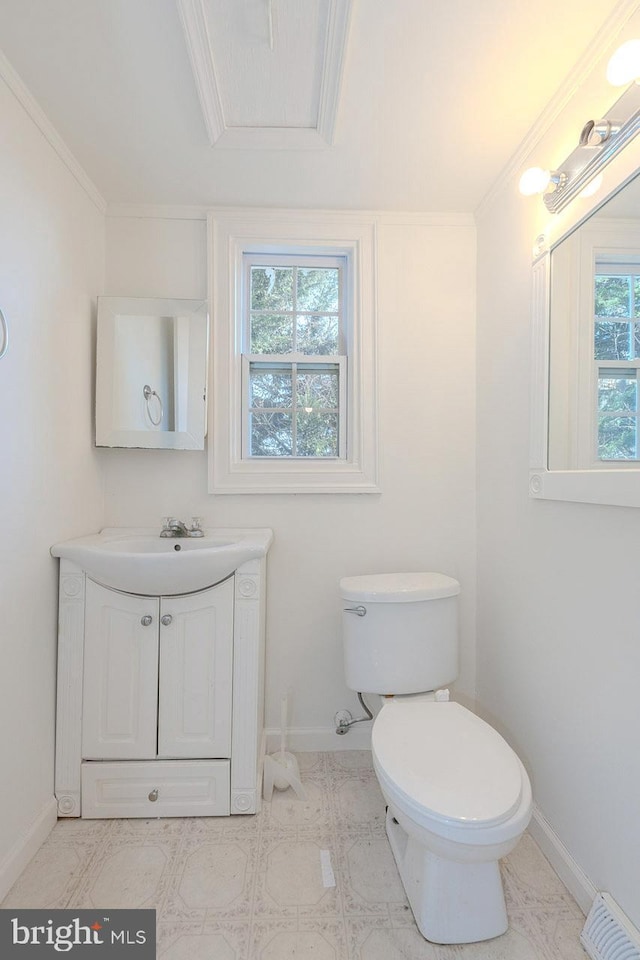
344 720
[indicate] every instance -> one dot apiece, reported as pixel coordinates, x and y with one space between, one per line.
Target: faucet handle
166 526
195 530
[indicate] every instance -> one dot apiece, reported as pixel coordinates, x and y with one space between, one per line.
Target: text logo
81 933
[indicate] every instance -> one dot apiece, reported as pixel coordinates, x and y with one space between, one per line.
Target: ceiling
432 98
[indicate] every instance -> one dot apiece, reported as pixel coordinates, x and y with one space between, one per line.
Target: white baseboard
26 846
306 739
574 878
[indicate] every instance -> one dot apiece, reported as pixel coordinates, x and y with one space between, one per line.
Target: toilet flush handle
359 611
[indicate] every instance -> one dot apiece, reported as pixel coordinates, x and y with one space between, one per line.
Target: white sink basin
165 545
140 561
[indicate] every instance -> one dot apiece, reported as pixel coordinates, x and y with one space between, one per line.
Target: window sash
294 364
622 369
295 262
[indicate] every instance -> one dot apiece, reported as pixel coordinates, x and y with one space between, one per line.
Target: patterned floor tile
50 878
373 938
261 887
305 940
528 880
290 881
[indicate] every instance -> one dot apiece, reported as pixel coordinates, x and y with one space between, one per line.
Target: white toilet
458 797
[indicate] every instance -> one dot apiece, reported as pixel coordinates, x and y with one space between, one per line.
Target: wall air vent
608 934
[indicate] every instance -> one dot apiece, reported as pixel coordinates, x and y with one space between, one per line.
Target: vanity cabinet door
120 683
196 661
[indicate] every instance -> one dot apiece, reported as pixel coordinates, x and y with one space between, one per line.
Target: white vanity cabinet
160 699
157 674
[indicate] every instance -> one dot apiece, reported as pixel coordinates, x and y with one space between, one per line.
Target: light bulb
592 187
624 65
534 180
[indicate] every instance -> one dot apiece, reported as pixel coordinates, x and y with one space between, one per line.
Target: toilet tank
400 632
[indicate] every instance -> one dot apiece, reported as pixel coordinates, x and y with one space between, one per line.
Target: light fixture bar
586 162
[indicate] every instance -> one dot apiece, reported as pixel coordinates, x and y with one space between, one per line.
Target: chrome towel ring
148 393
4 335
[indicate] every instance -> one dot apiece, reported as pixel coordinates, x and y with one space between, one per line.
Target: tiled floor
252 888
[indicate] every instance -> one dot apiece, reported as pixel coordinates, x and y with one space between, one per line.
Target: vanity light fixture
624 65
536 180
600 140
592 187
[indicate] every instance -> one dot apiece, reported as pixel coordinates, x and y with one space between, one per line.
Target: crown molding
612 26
157 211
37 114
194 24
400 218
387 218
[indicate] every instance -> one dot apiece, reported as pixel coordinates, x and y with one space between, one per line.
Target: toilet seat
449 771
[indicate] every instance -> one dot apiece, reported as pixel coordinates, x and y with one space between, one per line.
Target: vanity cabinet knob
166 620
147 620
153 796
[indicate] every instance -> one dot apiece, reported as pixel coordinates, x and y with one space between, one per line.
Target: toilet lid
398 587
446 761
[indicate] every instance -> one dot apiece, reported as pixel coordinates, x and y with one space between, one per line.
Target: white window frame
626 264
233 234
606 246
295 359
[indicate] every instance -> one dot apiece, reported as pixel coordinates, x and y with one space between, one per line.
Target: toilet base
452 902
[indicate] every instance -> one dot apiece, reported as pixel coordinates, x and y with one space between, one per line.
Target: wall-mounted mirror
594 340
151 373
585 439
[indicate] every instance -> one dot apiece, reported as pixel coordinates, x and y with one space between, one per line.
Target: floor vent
608 934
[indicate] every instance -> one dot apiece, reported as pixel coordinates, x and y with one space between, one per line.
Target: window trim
234 233
599 253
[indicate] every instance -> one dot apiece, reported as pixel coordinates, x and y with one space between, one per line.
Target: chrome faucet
173 528
176 528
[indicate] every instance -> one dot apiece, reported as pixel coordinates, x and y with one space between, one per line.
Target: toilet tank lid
398 587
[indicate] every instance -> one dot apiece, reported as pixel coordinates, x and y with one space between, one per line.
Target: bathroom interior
134 155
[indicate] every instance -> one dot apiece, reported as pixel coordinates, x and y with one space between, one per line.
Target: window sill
257 477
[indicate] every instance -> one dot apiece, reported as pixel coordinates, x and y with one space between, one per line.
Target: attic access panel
268 72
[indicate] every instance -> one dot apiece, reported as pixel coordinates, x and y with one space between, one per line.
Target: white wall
558 618
424 518
51 267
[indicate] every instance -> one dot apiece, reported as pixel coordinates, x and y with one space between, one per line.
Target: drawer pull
166 620
146 621
153 796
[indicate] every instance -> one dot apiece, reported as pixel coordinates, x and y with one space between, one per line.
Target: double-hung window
294 354
295 364
616 347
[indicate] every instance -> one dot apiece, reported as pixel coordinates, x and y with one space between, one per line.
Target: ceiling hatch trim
193 14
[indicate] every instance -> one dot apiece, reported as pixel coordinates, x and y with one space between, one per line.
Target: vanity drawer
181 788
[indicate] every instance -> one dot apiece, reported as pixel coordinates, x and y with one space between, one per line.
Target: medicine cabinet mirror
151 373
585 434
